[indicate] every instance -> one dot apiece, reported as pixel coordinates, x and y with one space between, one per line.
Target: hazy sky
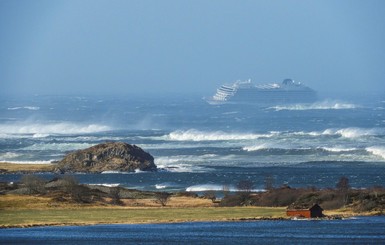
125 47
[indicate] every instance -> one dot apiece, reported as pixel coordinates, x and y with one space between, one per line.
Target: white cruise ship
287 92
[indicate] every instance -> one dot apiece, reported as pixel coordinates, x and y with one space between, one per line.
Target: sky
150 47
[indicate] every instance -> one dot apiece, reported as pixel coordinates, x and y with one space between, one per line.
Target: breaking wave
215 187
62 147
8 155
325 105
377 150
184 163
337 149
32 108
195 135
46 129
355 132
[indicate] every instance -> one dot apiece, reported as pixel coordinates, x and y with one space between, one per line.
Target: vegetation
25 168
36 201
33 210
162 198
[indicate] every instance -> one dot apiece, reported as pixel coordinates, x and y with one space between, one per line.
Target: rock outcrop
111 156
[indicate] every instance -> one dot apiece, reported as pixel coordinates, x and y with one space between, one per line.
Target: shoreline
142 223
58 208
21 211
251 219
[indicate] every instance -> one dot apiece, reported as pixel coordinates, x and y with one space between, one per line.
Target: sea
200 147
358 230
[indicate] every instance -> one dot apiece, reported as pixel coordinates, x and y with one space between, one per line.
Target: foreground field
33 211
25 167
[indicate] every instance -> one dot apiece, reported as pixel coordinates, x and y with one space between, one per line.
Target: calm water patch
360 230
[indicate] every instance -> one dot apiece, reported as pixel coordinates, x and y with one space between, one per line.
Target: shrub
162 198
115 196
34 184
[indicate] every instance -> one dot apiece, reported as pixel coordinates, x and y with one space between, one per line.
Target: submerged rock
111 156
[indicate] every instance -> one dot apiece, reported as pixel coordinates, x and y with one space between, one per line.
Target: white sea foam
8 155
337 149
183 163
207 187
32 108
324 105
107 184
44 129
160 186
58 146
196 135
166 185
377 150
256 147
215 187
355 132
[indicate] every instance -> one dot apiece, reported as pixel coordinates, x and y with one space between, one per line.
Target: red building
314 211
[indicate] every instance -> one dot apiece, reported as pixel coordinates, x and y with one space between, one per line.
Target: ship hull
271 94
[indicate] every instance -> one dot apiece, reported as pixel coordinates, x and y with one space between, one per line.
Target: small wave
325 105
8 155
207 187
111 172
337 149
180 164
355 132
216 187
195 135
107 184
58 146
43 129
377 150
40 135
256 147
160 186
166 185
32 108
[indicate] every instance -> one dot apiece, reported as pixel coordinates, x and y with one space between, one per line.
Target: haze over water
200 147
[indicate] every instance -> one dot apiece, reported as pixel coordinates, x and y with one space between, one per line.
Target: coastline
21 211
211 216
26 210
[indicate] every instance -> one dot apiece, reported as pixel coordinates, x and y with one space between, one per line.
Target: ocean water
200 147
350 231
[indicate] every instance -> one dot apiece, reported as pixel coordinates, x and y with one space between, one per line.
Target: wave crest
377 150
324 105
32 108
43 129
195 135
355 132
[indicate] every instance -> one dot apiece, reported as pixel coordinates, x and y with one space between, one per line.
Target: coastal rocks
111 156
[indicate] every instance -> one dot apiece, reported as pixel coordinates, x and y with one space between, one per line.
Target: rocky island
110 156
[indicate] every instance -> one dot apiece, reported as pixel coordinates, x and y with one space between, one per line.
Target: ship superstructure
287 92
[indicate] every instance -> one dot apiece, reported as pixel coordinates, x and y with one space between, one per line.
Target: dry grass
180 202
24 211
26 167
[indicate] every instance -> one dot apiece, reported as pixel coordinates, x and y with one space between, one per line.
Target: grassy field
12 167
25 211
83 216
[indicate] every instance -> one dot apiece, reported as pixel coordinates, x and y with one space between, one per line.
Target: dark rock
111 156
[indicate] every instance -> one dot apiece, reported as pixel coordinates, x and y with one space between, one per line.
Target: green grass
83 216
